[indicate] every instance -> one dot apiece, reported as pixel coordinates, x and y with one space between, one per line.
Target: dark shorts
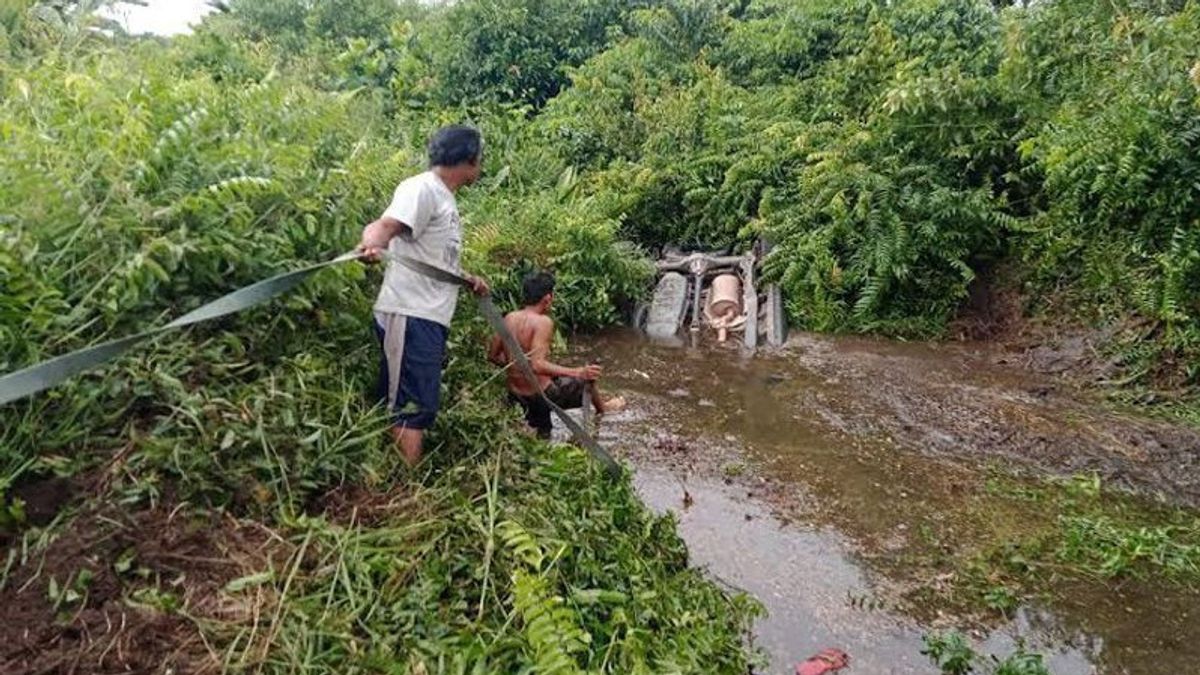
565 392
410 374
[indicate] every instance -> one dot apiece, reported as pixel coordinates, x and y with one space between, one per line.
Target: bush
144 181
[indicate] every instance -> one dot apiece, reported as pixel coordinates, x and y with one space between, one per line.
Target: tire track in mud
951 401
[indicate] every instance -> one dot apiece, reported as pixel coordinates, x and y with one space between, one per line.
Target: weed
191 172
1111 549
155 599
950 652
1022 663
953 654
72 593
584 580
1094 533
1001 599
12 514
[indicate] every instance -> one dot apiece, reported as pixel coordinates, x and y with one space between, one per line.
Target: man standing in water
534 330
413 312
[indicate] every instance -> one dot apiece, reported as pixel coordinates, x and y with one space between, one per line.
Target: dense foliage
900 156
897 155
903 155
143 178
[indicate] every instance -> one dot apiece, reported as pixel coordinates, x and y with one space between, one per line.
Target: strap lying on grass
47 374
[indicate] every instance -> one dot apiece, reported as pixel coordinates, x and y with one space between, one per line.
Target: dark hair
455 145
535 287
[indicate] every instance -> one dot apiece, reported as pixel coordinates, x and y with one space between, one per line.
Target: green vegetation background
897 154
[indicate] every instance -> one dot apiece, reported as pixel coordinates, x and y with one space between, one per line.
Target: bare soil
959 401
349 504
141 582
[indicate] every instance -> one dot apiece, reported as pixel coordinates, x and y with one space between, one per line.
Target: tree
294 25
516 50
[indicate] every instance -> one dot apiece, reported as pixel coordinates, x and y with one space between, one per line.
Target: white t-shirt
434 236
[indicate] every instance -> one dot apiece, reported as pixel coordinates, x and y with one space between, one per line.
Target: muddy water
829 479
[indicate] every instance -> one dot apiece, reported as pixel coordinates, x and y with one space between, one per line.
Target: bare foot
612 405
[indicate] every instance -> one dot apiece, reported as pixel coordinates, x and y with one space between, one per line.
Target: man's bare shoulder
533 319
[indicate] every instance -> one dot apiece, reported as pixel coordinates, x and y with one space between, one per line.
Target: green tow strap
47 374
39 377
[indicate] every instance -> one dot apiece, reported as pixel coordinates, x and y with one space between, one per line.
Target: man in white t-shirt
413 312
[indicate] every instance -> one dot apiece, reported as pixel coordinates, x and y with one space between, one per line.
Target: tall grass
142 179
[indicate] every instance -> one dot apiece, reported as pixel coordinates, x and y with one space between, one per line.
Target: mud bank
955 401
845 483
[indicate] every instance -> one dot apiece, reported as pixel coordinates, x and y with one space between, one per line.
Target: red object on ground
827 661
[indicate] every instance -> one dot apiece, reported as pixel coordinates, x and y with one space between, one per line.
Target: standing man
413 312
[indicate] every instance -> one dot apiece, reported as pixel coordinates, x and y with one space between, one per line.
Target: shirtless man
534 330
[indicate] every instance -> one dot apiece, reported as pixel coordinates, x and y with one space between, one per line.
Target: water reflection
825 574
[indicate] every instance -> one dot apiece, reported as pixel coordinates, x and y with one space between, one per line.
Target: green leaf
249 581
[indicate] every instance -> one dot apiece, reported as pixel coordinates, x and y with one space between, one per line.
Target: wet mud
953 400
817 594
838 480
116 592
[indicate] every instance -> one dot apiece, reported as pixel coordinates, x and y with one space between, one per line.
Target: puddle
817 596
853 441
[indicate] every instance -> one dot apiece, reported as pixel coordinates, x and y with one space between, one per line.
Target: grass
527 558
953 655
1071 529
1103 533
1002 541
499 553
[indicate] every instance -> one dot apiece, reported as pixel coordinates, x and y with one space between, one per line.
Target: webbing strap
47 374
516 353
39 377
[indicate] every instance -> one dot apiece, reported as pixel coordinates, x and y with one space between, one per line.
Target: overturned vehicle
713 296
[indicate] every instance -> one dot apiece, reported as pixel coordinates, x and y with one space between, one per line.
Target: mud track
853 485
956 401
